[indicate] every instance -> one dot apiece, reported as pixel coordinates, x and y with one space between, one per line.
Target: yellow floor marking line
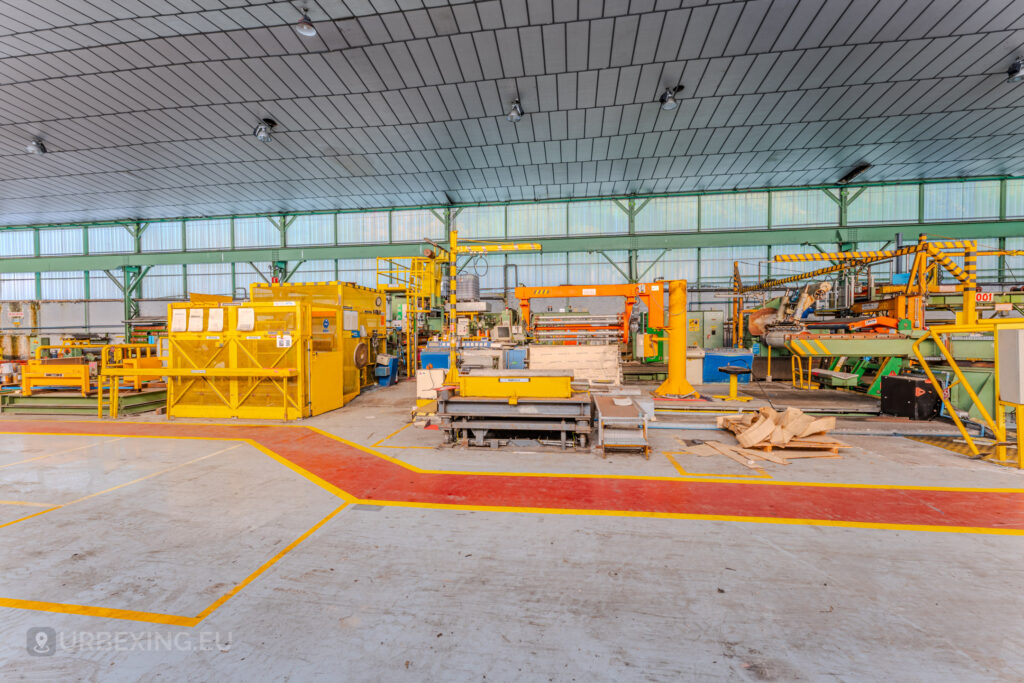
69 450
407 424
714 518
27 503
267 565
119 486
93 611
686 475
157 617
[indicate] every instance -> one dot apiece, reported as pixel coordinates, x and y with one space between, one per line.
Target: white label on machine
284 303
513 379
215 321
350 320
1004 307
179 320
589 292
246 320
869 307
199 372
195 320
284 341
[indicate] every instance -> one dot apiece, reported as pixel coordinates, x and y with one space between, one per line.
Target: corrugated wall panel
587 268
537 220
481 222
60 241
597 218
894 204
15 243
675 264
113 239
212 234
101 287
961 201
162 237
58 286
314 271
1015 198
245 276
540 269
163 282
362 228
668 214
311 230
716 263
361 271
210 278
803 207
734 211
256 233
413 226
17 286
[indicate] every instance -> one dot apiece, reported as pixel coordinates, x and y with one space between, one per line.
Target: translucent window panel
57 286
536 220
113 239
360 271
488 267
162 237
1015 264
675 264
255 233
593 269
362 228
716 263
961 201
668 214
210 278
17 286
481 222
314 271
60 241
1015 198
597 218
312 230
245 275
101 287
884 204
212 234
734 211
413 226
539 269
163 282
882 272
803 207
16 243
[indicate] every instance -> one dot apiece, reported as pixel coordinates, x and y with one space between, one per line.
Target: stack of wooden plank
764 434
769 429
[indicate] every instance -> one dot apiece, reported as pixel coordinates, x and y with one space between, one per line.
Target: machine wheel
361 356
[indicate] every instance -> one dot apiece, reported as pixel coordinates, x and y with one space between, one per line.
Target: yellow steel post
676 384
942 396
453 240
99 397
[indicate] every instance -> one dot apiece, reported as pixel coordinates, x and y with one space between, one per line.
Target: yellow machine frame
294 351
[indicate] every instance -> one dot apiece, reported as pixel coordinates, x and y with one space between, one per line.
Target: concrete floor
145 528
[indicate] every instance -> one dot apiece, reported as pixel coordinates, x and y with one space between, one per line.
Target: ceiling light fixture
857 170
263 129
516 112
305 27
668 98
1016 72
36 147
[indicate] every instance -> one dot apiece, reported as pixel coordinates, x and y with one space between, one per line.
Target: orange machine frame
652 294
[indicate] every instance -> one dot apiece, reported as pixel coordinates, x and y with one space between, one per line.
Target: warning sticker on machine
284 341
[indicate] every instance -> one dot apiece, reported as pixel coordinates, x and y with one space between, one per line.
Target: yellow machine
65 370
294 351
513 384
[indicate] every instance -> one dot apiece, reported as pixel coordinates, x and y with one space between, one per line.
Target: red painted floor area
369 477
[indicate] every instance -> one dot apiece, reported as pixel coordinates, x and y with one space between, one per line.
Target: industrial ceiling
147 108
